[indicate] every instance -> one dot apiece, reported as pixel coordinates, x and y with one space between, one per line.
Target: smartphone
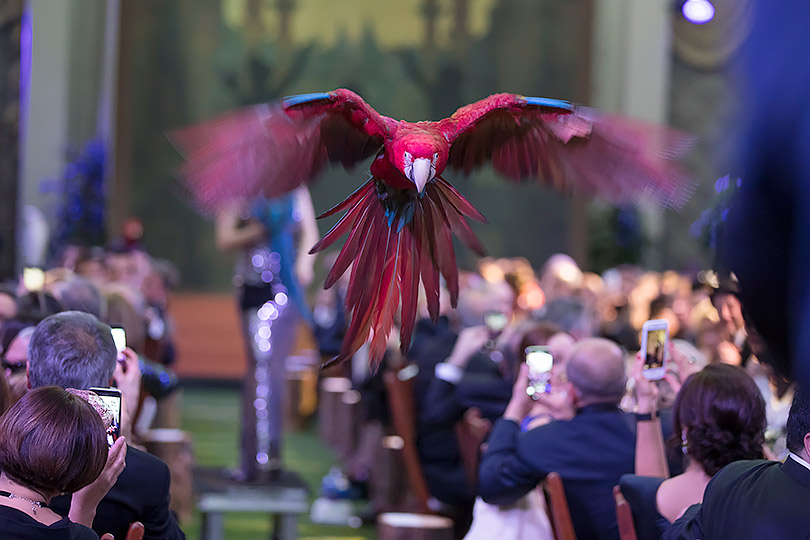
112 399
654 341
496 321
540 362
120 339
33 279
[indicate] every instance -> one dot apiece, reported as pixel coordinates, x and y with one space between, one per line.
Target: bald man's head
596 368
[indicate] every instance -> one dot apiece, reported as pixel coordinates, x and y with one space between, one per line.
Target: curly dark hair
722 413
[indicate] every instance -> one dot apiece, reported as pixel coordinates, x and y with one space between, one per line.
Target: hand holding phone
654 345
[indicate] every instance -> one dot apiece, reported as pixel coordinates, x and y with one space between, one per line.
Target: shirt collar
799 460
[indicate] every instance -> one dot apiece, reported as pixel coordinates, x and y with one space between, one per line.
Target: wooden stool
293 419
399 526
173 446
332 390
349 420
169 411
387 486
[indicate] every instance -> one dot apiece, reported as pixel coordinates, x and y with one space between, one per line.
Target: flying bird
400 222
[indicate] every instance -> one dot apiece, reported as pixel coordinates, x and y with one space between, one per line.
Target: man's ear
806 441
574 395
27 376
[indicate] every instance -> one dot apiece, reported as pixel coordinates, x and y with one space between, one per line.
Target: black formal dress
641 492
750 500
590 452
141 493
17 525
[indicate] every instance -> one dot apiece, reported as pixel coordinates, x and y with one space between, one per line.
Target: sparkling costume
271 305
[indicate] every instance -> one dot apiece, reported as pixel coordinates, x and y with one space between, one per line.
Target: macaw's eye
435 158
408 158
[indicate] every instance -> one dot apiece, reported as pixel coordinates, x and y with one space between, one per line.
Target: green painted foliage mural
417 59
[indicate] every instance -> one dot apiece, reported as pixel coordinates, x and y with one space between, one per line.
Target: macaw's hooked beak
422 173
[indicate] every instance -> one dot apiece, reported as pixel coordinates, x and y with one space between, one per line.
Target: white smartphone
540 362
120 339
112 399
33 279
654 341
495 321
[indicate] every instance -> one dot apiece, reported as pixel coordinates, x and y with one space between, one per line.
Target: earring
683 442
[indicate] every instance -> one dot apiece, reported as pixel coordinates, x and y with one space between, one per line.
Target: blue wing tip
290 101
547 102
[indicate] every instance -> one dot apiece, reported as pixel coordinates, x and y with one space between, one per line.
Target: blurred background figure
272 238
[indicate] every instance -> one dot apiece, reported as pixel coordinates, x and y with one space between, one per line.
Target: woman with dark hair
719 418
54 441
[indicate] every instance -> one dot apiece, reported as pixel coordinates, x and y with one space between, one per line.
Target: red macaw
400 221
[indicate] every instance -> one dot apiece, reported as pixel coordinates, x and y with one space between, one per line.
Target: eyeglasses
13 367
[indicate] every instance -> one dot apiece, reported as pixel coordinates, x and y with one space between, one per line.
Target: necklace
34 504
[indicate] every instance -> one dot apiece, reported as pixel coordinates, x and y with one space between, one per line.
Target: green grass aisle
211 416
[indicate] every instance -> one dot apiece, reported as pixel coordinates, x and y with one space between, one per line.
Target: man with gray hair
586 439
73 349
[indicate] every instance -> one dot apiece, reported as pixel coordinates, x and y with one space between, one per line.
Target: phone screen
540 363
33 279
120 339
112 399
656 348
539 359
495 321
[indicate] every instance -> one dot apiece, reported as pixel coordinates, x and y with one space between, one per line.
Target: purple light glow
698 11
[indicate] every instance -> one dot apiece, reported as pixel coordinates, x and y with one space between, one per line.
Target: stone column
11 12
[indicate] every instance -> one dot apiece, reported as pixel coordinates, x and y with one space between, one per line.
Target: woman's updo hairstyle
721 414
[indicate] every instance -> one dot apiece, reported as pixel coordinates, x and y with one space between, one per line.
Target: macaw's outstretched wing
572 148
395 239
273 148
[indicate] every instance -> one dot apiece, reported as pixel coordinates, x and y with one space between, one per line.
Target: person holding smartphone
73 349
71 456
719 418
588 440
471 376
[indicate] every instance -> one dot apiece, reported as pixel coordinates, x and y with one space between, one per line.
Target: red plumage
400 223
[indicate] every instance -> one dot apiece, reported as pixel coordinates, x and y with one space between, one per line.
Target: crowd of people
60 476
706 427
598 422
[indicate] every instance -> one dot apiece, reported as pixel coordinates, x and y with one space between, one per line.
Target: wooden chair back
470 437
624 515
558 508
403 416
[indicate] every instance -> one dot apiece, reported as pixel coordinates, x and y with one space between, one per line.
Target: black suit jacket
757 500
443 405
141 493
590 452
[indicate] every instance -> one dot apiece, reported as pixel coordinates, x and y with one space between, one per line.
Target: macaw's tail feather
396 239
